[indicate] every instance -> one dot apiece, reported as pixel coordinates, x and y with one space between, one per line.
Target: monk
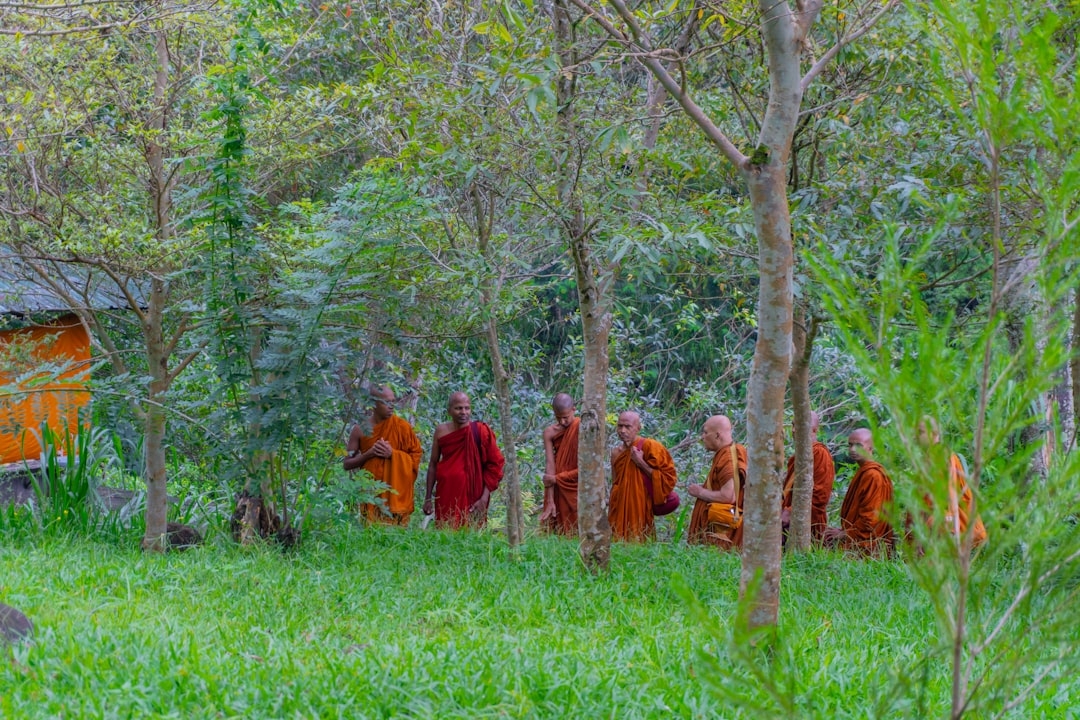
391 452
717 516
863 525
466 466
824 475
961 499
561 468
642 475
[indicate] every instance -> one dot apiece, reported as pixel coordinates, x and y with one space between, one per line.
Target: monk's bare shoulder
553 431
443 429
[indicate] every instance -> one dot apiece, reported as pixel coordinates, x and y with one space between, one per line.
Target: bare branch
851 37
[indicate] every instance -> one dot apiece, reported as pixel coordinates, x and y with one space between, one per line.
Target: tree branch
832 52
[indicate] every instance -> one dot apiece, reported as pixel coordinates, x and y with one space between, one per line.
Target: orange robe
398 471
630 509
824 475
713 523
960 502
469 461
566 480
862 514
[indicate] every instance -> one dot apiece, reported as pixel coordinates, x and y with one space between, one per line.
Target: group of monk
466 466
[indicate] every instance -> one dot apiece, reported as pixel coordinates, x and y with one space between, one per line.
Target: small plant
65 487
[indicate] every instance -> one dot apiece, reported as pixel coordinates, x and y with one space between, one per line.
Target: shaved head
382 392
716 433
628 427
861 445
457 397
562 402
929 432
814 422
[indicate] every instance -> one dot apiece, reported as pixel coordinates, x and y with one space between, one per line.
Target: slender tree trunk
514 516
593 528
766 177
157 355
765 394
802 493
154 423
1074 368
484 218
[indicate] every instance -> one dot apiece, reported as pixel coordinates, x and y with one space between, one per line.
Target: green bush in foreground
385 623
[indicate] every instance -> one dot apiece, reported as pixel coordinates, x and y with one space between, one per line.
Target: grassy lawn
386 623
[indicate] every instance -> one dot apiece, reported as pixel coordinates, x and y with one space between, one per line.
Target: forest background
292 200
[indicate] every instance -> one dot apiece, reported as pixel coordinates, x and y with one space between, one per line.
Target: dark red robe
469 461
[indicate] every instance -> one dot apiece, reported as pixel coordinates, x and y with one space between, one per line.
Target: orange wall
21 414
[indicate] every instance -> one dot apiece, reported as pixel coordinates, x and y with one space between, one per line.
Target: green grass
389 623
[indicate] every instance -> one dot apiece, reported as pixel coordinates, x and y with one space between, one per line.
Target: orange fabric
862 514
398 471
629 508
824 476
566 480
711 523
960 503
57 402
464 469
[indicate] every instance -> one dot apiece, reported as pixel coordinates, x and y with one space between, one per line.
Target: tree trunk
154 421
157 355
802 493
514 515
1074 369
592 282
765 392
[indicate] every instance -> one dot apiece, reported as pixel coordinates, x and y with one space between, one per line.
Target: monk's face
460 409
563 418
716 434
861 446
926 435
628 428
382 404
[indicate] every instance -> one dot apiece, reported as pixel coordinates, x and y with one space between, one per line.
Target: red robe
862 516
398 471
630 509
566 480
824 475
712 523
469 461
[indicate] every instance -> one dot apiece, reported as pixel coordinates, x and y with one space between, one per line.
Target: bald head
460 409
628 427
716 433
929 432
861 445
562 405
814 423
382 402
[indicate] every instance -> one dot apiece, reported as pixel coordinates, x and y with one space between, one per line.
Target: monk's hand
695 490
639 459
429 506
785 517
382 449
478 510
549 480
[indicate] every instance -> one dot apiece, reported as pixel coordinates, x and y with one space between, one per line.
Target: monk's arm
354 458
549 454
663 473
493 467
865 523
433 462
413 449
725 494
